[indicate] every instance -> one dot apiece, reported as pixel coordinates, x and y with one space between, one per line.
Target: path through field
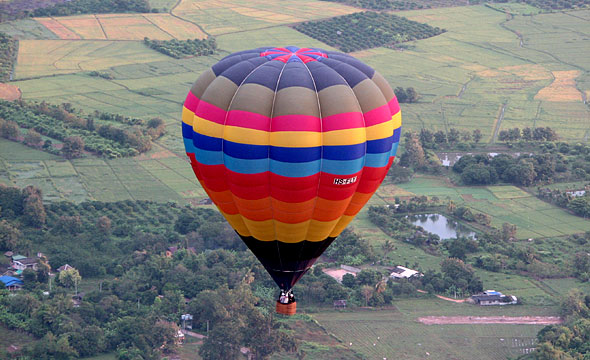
457 320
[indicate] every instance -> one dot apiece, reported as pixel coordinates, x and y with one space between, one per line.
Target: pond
440 225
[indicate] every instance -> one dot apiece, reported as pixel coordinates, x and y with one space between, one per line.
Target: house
65 267
339 304
77 299
8 254
401 272
24 263
11 283
492 297
171 251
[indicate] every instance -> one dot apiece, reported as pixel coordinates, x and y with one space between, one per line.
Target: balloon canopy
290 143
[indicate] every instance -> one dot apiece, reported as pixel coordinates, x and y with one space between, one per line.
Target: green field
396 334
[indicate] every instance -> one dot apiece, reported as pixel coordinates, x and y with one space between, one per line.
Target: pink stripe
342 121
248 120
393 106
210 112
377 116
296 123
191 102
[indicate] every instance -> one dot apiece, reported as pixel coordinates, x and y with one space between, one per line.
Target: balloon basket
286 309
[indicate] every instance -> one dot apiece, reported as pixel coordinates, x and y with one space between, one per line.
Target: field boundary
513 320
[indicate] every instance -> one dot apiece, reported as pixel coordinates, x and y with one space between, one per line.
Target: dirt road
530 320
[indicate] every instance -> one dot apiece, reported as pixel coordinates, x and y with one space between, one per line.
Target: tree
453 135
411 95
527 134
9 236
33 207
508 231
32 138
413 155
477 135
103 224
9 129
73 147
367 291
69 278
400 94
440 137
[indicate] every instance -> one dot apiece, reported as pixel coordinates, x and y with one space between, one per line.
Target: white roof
403 272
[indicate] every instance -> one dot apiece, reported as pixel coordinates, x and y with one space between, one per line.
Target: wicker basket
286 309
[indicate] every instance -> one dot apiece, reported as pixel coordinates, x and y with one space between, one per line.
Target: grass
50 57
395 333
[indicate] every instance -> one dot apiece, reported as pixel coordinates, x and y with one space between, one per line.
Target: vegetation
557 4
381 4
365 30
570 340
75 7
8 47
408 95
580 205
78 132
183 48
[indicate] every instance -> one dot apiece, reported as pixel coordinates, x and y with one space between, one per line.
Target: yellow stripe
187 116
380 131
236 222
345 137
344 221
397 120
296 138
269 230
206 127
320 230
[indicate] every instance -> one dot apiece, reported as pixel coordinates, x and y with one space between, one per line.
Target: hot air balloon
290 143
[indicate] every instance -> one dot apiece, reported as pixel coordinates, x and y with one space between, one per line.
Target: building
65 267
492 297
11 283
339 304
24 263
400 272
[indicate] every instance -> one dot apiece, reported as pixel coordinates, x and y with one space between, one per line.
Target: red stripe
393 106
210 112
191 101
343 121
248 120
328 190
296 123
377 116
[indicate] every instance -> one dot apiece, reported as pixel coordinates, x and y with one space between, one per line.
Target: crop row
365 30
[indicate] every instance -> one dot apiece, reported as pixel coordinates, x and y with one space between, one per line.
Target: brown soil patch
459 320
156 155
529 72
9 92
563 88
468 197
58 29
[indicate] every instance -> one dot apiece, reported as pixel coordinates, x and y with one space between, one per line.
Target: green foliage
183 48
365 30
75 7
66 124
382 4
553 5
8 47
350 246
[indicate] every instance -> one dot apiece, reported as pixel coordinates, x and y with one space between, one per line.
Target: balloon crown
293 53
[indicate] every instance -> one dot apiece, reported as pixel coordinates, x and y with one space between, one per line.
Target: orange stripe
356 204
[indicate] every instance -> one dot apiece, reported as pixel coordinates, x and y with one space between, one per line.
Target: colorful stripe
294 177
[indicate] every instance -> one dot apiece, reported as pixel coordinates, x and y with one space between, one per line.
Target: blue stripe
208 157
394 149
377 160
245 166
343 167
295 155
206 142
379 146
295 169
187 131
188 145
245 151
344 152
396 134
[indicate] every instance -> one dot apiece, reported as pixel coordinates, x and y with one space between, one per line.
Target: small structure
339 304
492 297
24 263
65 267
77 299
337 274
179 338
171 251
401 272
8 254
187 321
11 283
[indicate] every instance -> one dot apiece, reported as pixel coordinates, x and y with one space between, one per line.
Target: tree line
365 30
77 131
382 4
8 48
580 205
183 48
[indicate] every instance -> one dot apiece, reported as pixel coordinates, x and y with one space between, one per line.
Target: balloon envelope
290 143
